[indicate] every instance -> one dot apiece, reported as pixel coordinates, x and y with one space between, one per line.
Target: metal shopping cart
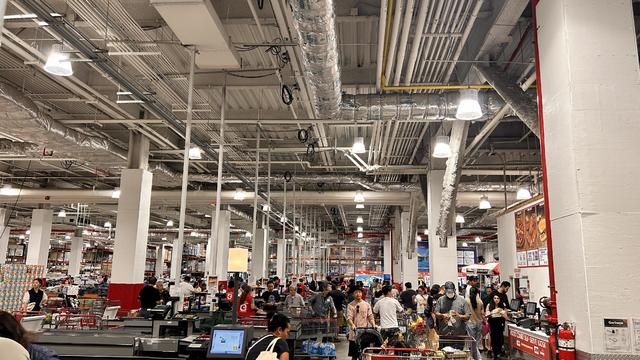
381 353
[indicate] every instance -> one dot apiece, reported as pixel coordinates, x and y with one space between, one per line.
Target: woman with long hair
476 318
496 317
11 329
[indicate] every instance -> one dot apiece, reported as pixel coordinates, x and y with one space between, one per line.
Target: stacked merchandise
15 280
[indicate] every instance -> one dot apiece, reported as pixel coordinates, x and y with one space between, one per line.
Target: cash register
229 342
529 320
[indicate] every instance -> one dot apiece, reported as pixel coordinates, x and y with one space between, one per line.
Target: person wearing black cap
452 312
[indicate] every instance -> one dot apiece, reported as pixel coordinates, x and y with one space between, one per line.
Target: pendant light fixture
360 235
58 63
7 190
195 153
108 224
265 207
469 107
464 244
359 198
484 203
478 239
360 206
459 219
358 146
62 213
115 194
442 149
28 232
359 229
359 220
169 223
523 194
426 231
239 194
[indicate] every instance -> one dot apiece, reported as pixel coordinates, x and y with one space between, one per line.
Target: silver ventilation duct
17 148
315 24
416 107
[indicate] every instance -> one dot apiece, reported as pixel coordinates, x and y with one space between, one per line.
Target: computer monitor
229 342
531 309
515 304
171 328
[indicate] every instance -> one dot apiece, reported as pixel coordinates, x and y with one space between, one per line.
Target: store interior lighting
478 239
296 228
442 149
193 233
484 203
359 220
426 231
523 194
239 194
359 198
164 238
58 62
464 244
360 229
358 146
469 107
304 234
8 190
28 232
265 207
115 194
108 224
360 235
62 213
195 153
169 223
459 219
360 206
67 237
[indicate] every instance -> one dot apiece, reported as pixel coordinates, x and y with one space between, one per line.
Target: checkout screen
229 342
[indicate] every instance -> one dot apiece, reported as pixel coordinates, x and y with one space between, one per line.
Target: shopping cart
319 327
381 353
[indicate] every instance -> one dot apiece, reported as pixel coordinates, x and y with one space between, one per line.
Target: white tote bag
268 353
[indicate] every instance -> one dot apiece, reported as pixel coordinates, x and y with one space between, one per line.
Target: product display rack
15 280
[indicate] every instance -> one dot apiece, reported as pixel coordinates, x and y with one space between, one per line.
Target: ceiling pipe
17 148
404 38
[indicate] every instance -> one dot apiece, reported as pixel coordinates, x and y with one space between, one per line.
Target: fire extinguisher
566 342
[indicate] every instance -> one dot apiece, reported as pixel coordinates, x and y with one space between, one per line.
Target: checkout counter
528 331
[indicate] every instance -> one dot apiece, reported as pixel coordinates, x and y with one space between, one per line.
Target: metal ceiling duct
315 24
17 148
416 107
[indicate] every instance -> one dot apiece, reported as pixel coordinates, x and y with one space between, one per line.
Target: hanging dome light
304 234
62 213
115 194
107 224
360 235
459 219
283 219
484 203
67 237
195 153
418 238
193 233
169 223
359 229
239 194
442 149
164 238
359 198
265 207
464 244
478 239
58 62
358 146
426 231
359 220
360 206
296 228
21 237
469 107
523 194
28 232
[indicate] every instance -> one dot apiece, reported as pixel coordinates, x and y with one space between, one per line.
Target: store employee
35 298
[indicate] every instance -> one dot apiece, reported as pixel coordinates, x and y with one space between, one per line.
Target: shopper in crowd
246 306
271 296
472 282
408 297
496 316
476 317
278 327
452 312
359 315
293 299
149 296
164 294
388 308
339 298
502 294
322 303
421 300
11 329
485 294
185 287
313 284
35 298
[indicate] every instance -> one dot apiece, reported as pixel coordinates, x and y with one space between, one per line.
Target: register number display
227 342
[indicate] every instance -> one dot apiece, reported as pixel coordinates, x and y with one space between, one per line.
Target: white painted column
396 254
75 255
281 255
386 251
259 254
4 234
443 262
409 260
174 267
590 92
159 261
40 238
222 245
132 227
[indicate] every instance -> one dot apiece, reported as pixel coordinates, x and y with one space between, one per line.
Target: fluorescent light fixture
123 93
26 16
67 237
426 231
464 244
283 219
58 62
207 215
360 206
359 229
108 224
523 194
129 101
442 149
247 234
164 238
265 207
360 235
193 233
115 194
195 153
62 213
418 238
459 219
359 198
239 194
478 239
304 234
359 220
28 232
169 223
484 203
21 237
296 228
8 190
469 107
358 146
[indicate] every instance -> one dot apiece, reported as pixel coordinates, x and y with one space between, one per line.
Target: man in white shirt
472 281
388 308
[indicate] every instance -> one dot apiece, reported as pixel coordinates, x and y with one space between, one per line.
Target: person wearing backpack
272 346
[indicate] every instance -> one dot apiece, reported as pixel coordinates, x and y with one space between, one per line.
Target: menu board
531 237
